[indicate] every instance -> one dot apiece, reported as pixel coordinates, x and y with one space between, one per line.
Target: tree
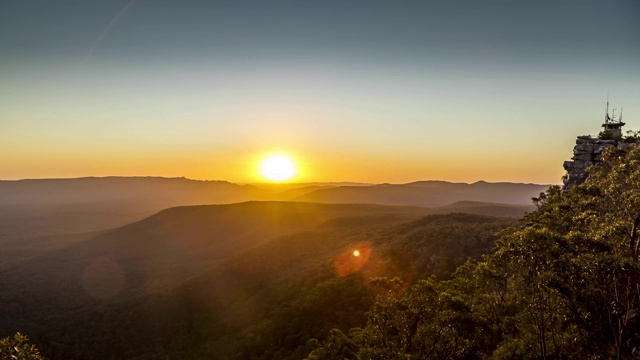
17 348
337 346
566 285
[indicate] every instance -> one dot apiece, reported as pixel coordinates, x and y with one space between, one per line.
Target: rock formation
588 152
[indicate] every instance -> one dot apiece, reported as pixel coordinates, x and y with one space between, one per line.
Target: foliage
632 137
18 348
566 286
609 135
268 302
304 310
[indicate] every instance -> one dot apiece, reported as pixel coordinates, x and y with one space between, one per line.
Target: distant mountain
43 207
280 187
291 194
428 193
151 191
168 192
57 206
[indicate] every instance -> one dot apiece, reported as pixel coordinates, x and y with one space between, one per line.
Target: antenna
606 114
620 117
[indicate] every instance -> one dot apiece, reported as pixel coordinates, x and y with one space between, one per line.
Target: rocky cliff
588 152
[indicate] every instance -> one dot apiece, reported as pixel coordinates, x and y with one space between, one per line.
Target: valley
218 272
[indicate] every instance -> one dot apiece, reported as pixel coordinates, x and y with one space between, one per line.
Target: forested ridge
271 301
565 286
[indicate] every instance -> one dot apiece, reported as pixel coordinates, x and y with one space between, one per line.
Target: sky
367 91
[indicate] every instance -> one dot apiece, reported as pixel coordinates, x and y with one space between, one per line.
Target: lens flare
353 259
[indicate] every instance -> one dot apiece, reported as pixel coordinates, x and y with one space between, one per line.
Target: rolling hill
57 206
265 302
152 255
428 193
125 293
67 258
161 193
42 207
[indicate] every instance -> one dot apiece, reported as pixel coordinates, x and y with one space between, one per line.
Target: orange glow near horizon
241 164
278 168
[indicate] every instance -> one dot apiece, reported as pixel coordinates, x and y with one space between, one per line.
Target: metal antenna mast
620 117
606 114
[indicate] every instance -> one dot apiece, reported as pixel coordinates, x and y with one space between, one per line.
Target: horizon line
271 183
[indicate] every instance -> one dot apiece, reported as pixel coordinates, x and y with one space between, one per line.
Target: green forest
564 286
561 283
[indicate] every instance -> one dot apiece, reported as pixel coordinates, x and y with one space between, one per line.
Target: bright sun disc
277 168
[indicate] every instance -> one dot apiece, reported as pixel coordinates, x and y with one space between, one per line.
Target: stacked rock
587 152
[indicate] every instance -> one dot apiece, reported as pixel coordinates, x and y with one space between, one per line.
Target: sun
277 168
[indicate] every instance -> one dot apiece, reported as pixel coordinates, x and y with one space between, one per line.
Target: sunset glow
251 179
122 92
277 168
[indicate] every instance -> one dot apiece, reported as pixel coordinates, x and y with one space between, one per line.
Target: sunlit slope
268 301
155 255
279 295
428 193
163 249
212 232
250 252
176 242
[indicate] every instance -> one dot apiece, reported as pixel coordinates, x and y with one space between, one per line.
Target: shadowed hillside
155 254
188 238
264 302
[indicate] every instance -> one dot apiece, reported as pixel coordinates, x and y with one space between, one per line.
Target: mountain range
113 267
221 270
57 206
168 192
